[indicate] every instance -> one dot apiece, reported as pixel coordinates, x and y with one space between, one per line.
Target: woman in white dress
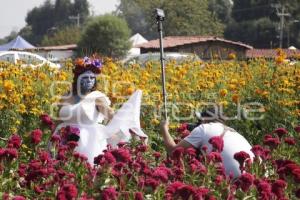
85 109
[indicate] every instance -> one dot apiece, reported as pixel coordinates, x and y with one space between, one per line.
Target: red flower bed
33 169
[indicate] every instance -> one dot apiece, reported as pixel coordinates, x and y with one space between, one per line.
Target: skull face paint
87 81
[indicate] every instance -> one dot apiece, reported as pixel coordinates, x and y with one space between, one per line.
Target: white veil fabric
94 136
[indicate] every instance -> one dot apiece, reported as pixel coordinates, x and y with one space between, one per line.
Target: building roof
174 41
270 53
58 48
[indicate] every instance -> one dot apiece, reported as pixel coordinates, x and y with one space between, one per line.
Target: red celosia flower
204 148
142 148
72 134
151 182
109 158
39 189
156 155
178 172
67 191
11 153
182 127
173 187
272 142
241 157
44 156
215 157
280 131
200 193
177 153
191 152
297 129
186 191
72 145
121 154
197 166
55 138
109 193
46 119
138 196
218 179
15 141
290 140
18 198
264 189
258 150
162 174
185 133
245 181
5 196
22 170
278 188
36 136
296 174
217 143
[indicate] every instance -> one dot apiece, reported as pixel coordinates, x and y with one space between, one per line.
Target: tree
182 17
49 16
41 18
11 36
107 35
67 35
257 22
221 9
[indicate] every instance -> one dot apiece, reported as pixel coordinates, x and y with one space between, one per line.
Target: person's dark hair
211 114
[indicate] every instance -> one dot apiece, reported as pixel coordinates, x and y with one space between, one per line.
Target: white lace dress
94 136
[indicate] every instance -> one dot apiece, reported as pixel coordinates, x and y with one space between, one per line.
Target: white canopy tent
17 43
136 39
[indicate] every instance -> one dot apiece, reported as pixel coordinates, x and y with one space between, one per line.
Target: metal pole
162 62
281 27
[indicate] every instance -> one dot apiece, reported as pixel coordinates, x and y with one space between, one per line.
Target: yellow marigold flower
22 108
8 85
223 92
231 56
265 93
155 121
13 129
235 98
3 96
232 86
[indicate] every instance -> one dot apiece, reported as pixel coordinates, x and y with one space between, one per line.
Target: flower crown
86 64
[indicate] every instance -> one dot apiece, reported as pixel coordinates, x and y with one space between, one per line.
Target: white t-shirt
233 143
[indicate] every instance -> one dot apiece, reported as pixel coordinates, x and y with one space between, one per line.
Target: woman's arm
169 141
105 109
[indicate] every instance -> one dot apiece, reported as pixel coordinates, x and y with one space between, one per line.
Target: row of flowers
26 93
42 166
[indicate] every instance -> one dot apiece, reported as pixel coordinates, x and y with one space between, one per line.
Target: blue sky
13 12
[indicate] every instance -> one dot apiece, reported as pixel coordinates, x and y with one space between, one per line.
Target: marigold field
259 97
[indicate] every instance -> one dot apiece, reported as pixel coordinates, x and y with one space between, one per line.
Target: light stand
160 16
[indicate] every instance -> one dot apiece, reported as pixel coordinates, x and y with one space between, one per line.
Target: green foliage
182 17
8 38
51 16
256 22
68 35
221 9
107 35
